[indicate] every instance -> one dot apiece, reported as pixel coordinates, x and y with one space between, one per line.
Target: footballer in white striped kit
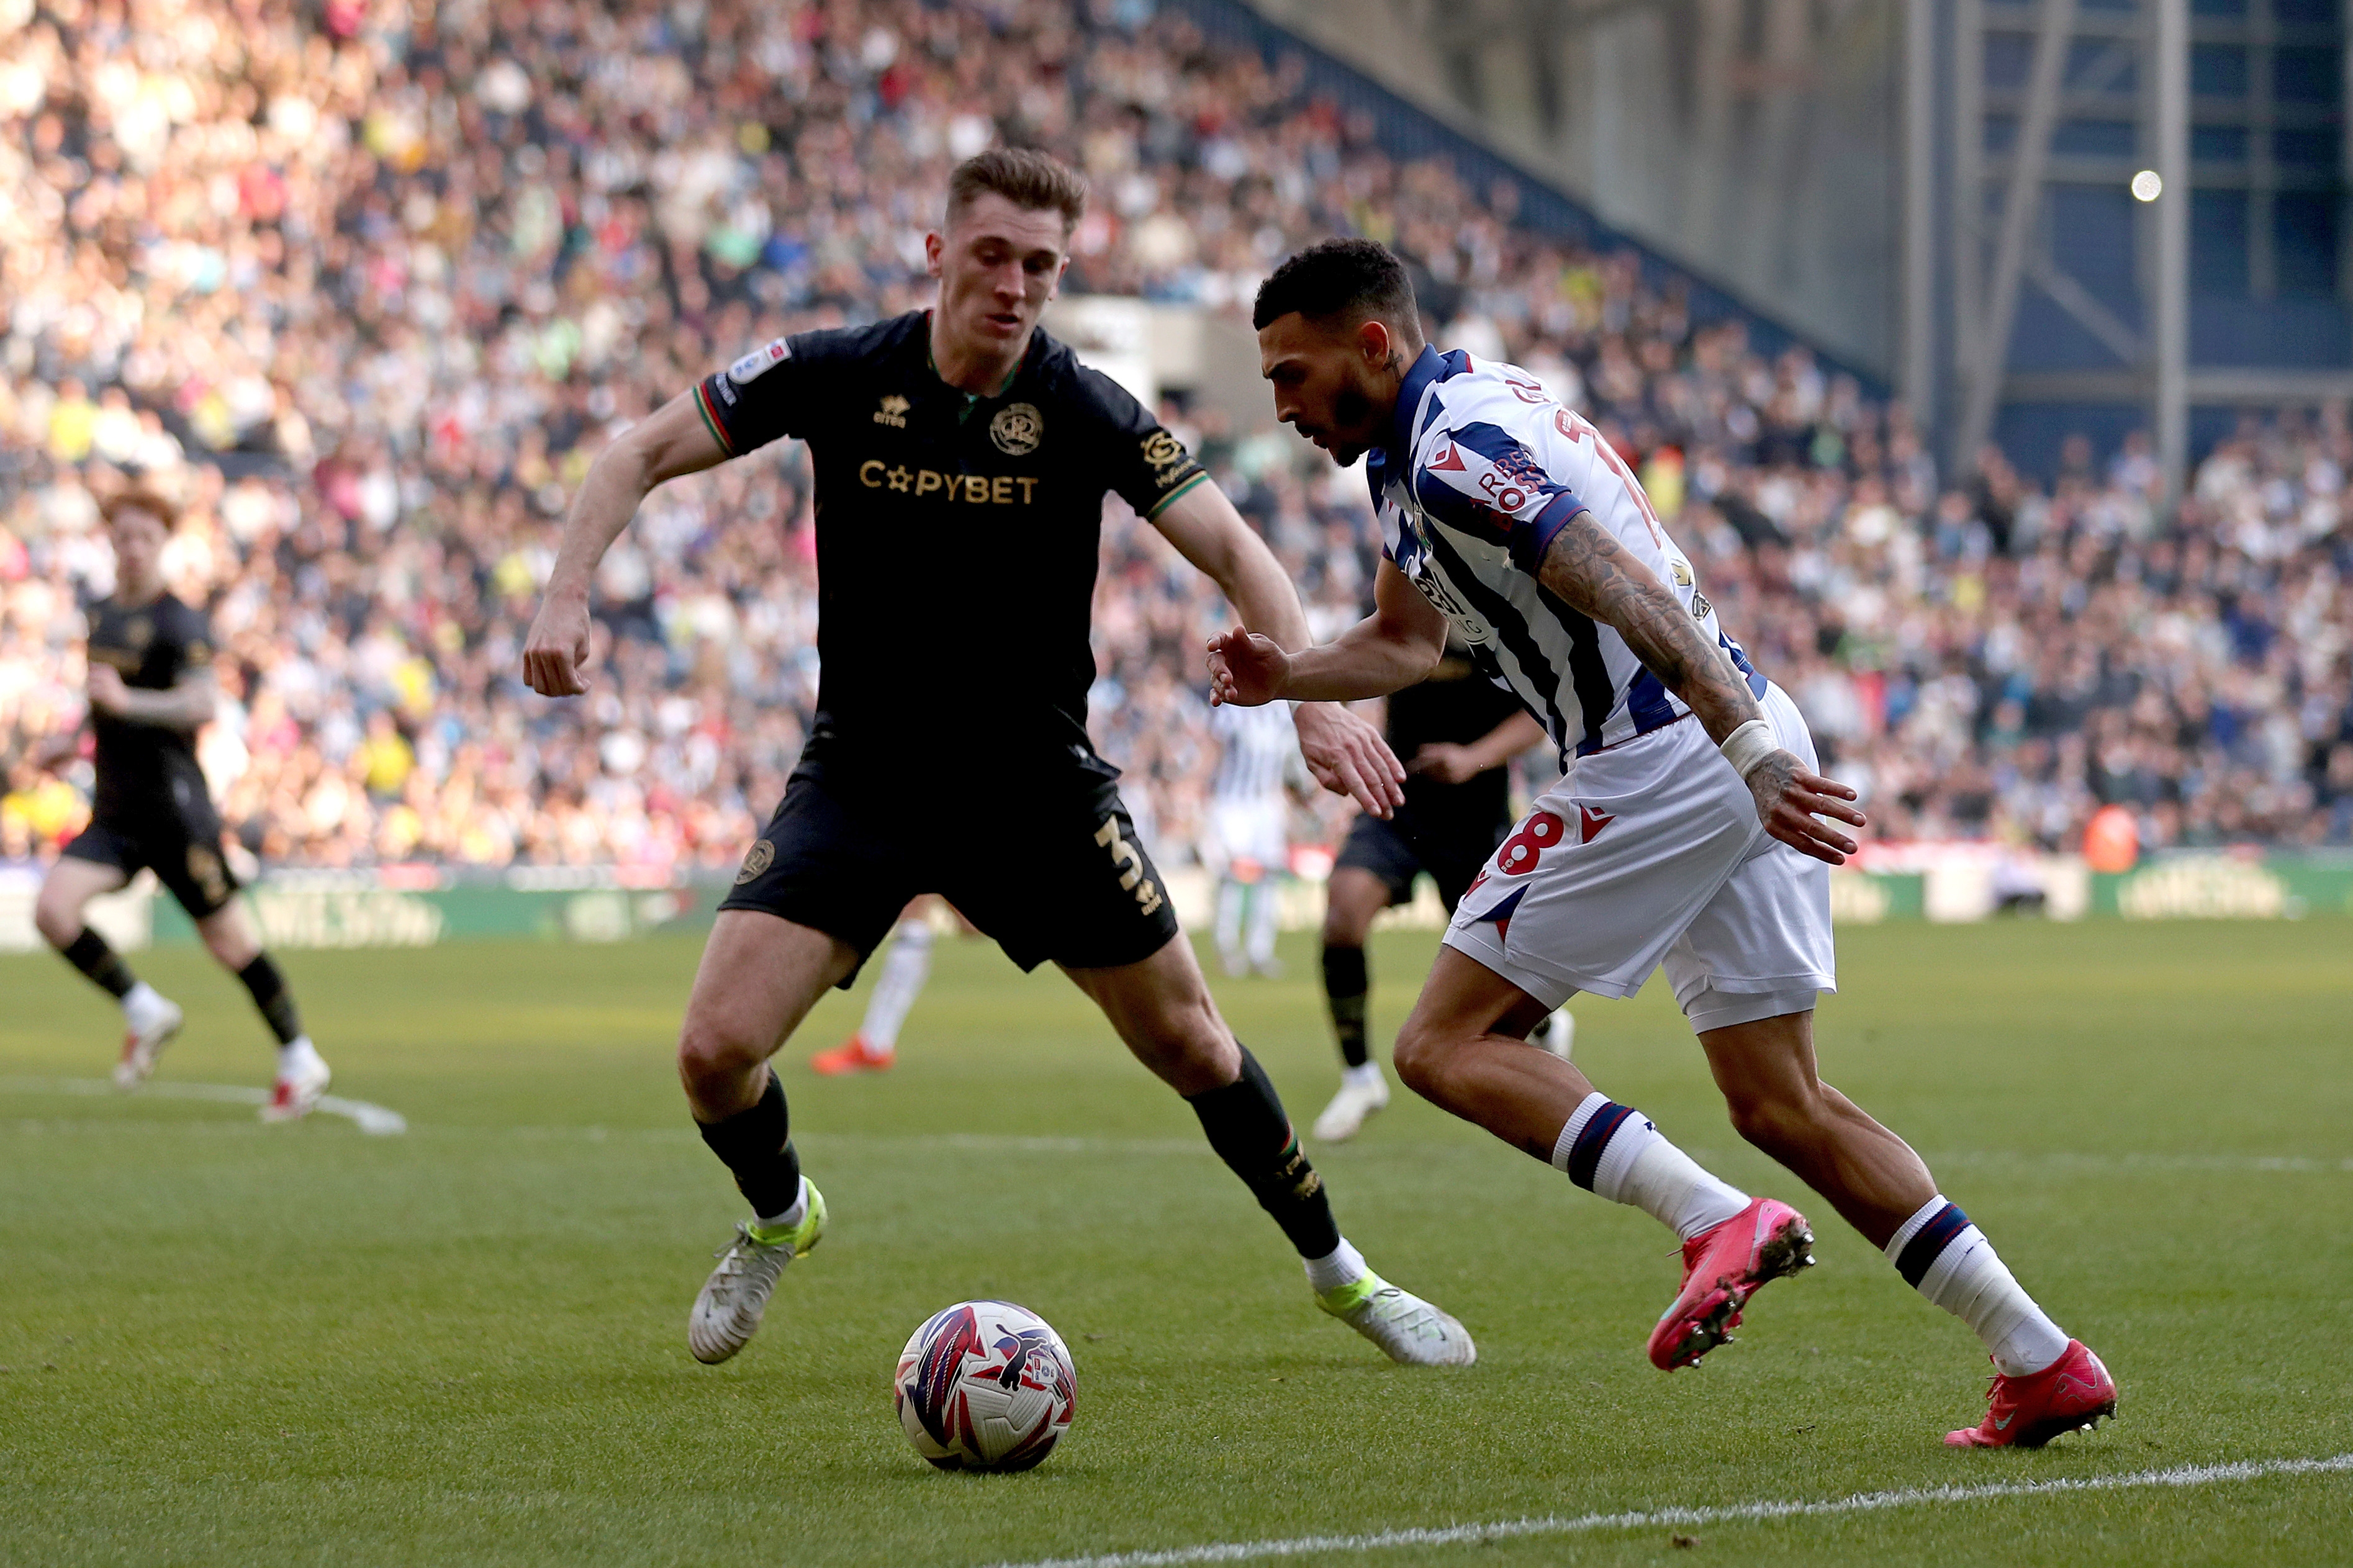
1688 831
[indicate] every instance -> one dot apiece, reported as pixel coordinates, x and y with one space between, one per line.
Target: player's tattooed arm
674 441
187 704
1587 569
1590 571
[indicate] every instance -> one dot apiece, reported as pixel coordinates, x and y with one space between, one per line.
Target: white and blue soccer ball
986 1385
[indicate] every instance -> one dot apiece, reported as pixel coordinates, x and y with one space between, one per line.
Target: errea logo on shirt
893 412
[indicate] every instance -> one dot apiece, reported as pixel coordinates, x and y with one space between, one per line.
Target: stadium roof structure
1410 130
2125 213
2032 217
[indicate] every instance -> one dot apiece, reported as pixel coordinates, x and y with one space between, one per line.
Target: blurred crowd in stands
365 284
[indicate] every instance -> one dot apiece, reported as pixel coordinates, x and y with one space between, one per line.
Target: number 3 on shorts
1129 860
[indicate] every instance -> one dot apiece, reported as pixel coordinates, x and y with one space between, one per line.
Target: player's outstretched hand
556 655
1447 762
1348 757
1791 802
1246 670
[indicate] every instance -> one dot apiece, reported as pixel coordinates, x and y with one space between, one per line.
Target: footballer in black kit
1444 828
151 690
961 457
151 808
951 529
1459 729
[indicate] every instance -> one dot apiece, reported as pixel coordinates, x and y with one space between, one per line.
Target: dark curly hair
1337 277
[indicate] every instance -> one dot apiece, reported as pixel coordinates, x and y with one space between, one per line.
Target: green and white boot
734 1298
1407 1328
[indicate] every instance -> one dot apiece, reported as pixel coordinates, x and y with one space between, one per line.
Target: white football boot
300 1082
148 1028
1362 1090
1407 1328
736 1298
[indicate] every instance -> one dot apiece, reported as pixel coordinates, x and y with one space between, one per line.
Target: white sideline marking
1020 1144
387 1120
375 1120
2126 1163
1733 1514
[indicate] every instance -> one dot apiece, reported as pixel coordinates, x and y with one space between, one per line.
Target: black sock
756 1145
1346 990
90 953
269 994
1250 1133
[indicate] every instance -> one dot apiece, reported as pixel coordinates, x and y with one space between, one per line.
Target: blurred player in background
875 1047
962 459
151 690
1689 832
1458 730
1250 830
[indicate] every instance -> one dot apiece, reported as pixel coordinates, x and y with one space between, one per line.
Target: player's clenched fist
108 694
1246 670
557 650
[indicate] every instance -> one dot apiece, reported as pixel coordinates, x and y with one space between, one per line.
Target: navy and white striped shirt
1481 471
1260 751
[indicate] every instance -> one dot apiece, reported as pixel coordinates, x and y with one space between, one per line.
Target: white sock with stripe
1948 1259
1616 1152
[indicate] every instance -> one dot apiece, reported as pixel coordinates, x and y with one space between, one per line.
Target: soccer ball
985 1386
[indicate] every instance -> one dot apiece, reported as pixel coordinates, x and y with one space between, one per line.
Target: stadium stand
365 283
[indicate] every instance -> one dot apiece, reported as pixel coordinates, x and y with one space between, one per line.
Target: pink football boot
2071 1394
1723 1266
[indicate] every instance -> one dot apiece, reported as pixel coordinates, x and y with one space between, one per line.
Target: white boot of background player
1362 1090
150 1019
303 1077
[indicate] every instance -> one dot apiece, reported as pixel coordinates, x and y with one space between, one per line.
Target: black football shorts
1053 871
181 847
1451 846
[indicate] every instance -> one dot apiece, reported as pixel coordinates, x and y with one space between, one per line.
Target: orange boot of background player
854 1055
904 968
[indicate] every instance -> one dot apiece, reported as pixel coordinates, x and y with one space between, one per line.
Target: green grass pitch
228 1343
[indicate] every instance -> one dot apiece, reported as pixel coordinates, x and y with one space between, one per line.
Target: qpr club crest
762 856
1016 429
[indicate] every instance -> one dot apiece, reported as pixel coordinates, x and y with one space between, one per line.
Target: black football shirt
153 644
957 537
1456 705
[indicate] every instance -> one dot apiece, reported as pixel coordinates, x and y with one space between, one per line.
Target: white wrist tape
1749 745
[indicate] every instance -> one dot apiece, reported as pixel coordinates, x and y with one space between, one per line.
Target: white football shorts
1248 836
1651 854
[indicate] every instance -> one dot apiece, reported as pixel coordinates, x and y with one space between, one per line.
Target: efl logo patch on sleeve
759 362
